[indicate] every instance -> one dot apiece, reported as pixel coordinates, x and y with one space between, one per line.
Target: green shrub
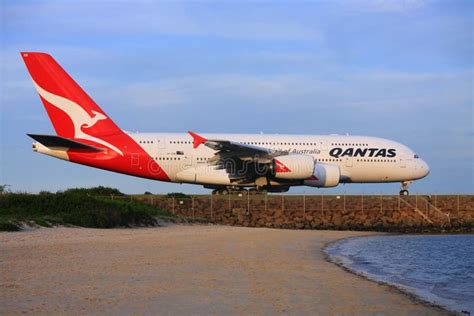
4 188
96 191
8 226
178 195
81 207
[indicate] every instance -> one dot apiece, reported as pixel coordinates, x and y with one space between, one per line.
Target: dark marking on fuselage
338 152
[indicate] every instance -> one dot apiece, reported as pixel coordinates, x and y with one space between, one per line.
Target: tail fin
73 113
83 128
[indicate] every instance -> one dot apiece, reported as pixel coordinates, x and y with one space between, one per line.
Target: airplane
221 162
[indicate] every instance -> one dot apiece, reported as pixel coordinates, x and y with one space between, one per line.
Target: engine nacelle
324 176
293 167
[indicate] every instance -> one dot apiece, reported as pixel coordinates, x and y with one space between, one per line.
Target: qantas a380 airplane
223 162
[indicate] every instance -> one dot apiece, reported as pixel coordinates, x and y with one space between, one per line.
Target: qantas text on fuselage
86 135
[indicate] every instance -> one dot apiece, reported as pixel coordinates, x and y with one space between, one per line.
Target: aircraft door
161 142
403 163
188 160
322 145
348 161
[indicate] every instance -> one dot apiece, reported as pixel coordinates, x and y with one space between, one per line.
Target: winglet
197 140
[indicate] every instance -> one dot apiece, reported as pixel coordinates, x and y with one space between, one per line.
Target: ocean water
436 268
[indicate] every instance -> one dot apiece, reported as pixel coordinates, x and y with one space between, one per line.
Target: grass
78 207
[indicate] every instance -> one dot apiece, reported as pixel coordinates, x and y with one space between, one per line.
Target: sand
186 270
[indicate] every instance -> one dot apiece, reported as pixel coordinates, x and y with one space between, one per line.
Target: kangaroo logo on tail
79 117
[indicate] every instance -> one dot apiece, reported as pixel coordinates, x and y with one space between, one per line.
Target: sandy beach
186 270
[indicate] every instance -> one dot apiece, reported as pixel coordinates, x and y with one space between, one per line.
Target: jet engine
324 176
293 167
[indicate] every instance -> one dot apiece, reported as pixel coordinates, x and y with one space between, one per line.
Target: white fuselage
361 159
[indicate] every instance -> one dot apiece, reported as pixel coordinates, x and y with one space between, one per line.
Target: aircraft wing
235 152
235 149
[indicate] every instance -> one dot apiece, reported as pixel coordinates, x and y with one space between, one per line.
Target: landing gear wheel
404 188
253 191
241 191
220 192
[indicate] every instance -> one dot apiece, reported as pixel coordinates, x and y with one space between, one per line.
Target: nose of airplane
424 169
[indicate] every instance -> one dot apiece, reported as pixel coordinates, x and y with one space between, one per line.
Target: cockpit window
417 157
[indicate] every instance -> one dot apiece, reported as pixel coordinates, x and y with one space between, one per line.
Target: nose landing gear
404 189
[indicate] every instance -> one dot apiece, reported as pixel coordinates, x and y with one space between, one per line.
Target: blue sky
396 69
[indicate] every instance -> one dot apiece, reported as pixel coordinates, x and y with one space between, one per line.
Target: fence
385 212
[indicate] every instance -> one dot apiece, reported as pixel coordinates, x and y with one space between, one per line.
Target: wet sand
186 270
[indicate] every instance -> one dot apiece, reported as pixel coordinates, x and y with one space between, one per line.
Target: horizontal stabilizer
57 141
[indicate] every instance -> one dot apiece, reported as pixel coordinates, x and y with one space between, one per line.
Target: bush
8 226
79 207
178 195
96 191
4 188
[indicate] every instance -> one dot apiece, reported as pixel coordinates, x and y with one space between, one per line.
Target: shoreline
187 269
410 292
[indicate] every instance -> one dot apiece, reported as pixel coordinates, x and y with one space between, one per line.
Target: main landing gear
234 191
404 189
227 191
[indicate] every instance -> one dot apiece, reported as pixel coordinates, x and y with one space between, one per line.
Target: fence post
322 205
266 194
212 213
381 203
304 204
282 204
344 202
248 202
192 202
427 207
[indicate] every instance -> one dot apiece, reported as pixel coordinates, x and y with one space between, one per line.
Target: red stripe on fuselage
135 161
